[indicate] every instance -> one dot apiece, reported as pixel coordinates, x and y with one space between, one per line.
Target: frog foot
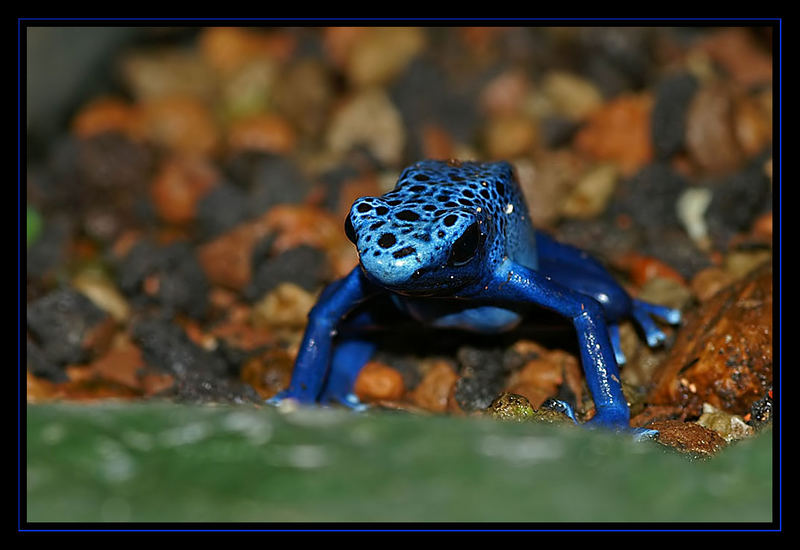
643 434
617 423
349 400
643 313
560 406
285 397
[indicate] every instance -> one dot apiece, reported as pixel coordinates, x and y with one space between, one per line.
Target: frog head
434 232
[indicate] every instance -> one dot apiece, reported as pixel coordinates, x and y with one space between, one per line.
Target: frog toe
613 332
287 396
652 333
669 315
643 314
643 434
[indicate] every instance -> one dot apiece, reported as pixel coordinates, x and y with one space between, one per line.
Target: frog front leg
311 369
514 284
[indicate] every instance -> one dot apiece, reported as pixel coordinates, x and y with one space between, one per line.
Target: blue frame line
22 20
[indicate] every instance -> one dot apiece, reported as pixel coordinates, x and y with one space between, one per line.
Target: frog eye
466 246
349 231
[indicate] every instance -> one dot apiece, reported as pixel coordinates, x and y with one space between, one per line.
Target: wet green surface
176 463
33 225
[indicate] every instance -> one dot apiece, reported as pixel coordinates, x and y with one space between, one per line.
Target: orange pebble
619 131
763 226
265 132
227 259
121 364
39 389
364 185
303 224
339 41
228 48
180 123
178 187
644 268
106 115
433 392
437 143
378 381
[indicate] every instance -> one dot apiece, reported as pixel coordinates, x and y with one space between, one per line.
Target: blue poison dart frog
452 246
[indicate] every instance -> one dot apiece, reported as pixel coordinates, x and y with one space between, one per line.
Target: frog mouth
409 287
430 289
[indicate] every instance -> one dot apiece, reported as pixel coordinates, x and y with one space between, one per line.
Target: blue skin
452 246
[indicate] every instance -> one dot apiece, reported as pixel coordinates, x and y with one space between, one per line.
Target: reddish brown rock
707 282
657 413
179 185
710 130
228 48
107 114
303 93
284 307
39 389
688 437
762 228
544 372
380 54
753 125
547 182
619 131
180 123
538 379
506 93
339 41
437 143
644 268
377 381
241 333
723 352
361 186
269 372
736 50
433 392
121 364
296 225
269 133
226 260
98 338
510 136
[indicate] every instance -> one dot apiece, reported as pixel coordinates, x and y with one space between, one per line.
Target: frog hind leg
577 270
